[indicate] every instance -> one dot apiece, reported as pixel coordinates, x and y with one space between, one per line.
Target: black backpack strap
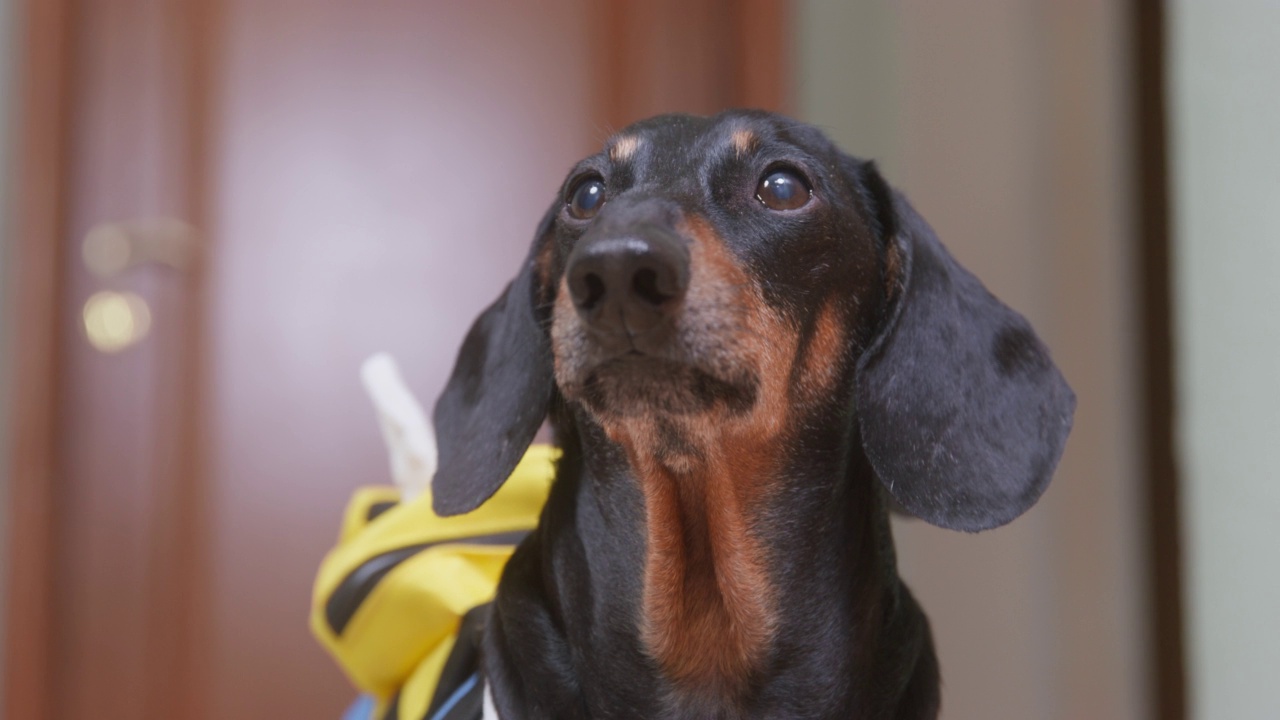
460 691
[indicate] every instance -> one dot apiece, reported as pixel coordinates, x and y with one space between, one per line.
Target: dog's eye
783 190
587 198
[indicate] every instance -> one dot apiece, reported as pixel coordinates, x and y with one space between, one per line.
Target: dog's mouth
635 382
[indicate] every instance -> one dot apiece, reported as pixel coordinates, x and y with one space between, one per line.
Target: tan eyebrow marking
743 140
623 148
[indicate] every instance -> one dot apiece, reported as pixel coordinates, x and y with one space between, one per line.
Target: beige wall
1005 122
1224 90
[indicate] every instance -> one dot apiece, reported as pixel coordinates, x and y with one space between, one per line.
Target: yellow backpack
390 598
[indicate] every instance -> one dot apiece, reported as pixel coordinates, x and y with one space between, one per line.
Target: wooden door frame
33 303
747 61
39 310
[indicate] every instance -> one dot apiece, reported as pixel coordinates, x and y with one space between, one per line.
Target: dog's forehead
678 145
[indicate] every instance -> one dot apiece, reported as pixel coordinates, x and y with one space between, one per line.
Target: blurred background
213 210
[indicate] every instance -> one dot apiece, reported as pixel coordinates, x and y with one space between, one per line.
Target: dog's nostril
645 285
595 291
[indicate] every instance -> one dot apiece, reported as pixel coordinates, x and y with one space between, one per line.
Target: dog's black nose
628 285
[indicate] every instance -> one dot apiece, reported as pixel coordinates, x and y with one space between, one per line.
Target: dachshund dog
749 348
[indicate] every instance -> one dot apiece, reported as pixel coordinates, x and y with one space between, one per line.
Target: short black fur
944 398
498 394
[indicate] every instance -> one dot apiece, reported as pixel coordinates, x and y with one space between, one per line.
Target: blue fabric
362 709
456 697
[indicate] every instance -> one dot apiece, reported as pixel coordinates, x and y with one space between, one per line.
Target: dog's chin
635 384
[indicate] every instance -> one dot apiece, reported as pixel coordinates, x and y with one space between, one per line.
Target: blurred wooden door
295 184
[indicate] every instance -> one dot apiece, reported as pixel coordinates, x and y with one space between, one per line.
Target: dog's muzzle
628 281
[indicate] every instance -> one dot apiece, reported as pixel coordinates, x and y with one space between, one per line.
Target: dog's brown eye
782 190
587 198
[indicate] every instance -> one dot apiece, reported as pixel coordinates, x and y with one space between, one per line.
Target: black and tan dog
748 345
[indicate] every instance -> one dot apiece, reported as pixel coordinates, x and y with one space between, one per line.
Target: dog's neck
708 612
748 579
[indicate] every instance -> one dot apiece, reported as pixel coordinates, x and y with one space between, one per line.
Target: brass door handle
115 320
112 247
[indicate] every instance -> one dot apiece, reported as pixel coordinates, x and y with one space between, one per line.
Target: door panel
379 177
123 518
357 177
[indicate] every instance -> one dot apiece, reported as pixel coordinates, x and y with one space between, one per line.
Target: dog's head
710 276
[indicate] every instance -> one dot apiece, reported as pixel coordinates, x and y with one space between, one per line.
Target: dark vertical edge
1157 359
744 58
612 77
763 58
33 286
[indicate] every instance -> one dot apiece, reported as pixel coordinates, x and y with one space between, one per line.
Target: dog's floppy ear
962 412
499 392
